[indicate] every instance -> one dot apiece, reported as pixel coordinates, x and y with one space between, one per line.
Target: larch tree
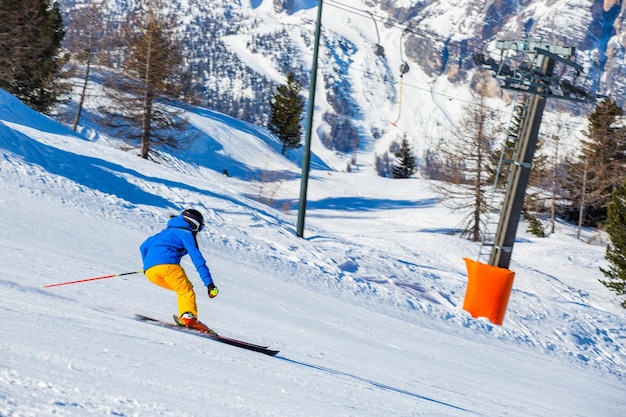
463 162
83 39
149 84
555 168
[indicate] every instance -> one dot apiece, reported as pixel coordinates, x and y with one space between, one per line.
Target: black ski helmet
194 218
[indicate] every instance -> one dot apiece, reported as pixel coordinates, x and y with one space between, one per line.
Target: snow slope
366 309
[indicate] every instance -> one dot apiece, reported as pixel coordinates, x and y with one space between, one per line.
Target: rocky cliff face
614 77
595 28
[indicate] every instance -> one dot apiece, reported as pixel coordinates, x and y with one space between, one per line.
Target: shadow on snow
367 204
375 384
93 173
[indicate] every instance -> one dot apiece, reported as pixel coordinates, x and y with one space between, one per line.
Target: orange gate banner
488 290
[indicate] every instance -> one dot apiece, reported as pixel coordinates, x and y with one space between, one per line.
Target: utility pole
306 155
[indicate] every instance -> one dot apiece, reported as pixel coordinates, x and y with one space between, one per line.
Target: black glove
212 290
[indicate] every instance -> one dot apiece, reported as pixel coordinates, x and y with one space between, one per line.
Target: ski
213 336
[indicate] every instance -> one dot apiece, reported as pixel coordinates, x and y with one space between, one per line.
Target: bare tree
463 160
82 39
556 167
555 181
144 92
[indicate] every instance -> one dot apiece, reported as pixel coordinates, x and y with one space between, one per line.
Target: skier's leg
176 278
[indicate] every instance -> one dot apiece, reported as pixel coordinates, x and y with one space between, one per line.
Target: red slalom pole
90 279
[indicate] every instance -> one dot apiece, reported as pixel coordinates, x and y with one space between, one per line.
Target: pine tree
534 225
286 113
31 32
616 250
405 165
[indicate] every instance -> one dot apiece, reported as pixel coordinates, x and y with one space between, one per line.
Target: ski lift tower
529 68
531 72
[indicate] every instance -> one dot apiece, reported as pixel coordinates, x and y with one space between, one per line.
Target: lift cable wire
426 35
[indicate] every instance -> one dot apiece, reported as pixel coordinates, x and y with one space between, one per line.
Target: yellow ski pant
174 278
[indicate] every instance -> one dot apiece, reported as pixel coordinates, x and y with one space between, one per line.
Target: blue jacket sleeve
145 246
197 259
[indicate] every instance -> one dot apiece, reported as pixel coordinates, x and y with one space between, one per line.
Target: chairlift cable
379 50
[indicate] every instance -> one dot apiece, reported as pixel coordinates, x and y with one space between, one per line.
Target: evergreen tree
286 113
405 165
534 225
31 32
601 168
616 250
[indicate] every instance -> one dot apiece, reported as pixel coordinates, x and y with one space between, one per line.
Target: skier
161 256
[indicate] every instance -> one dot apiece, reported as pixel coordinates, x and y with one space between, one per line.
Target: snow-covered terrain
366 309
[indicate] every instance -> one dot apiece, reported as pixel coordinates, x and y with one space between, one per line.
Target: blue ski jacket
171 244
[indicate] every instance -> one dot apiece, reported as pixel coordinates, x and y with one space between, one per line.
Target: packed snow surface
366 309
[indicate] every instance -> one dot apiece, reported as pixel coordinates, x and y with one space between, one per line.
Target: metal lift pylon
489 286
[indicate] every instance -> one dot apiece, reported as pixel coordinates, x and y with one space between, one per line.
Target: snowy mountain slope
366 310
241 51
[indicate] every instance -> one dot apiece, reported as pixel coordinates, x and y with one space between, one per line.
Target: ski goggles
196 226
